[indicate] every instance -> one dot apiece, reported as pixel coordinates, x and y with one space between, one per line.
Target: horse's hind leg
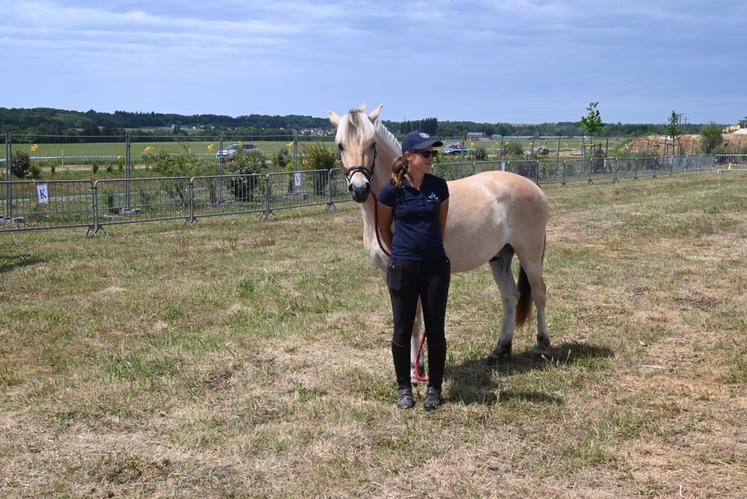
504 278
533 269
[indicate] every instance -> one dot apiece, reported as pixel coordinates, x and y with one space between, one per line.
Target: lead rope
418 373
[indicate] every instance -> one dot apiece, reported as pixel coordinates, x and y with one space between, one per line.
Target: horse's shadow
473 381
10 262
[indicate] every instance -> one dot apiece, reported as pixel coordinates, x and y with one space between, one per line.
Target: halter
362 169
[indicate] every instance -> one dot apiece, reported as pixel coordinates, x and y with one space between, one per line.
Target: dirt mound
687 144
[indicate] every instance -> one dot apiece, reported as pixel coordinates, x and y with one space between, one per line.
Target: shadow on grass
10 262
473 381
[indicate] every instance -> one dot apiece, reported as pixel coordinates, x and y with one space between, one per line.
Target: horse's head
356 140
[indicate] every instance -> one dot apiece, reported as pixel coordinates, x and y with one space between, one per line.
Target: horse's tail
524 306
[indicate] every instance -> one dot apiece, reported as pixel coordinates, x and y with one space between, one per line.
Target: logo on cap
424 135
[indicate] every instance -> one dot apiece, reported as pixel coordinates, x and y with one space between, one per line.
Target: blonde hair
399 169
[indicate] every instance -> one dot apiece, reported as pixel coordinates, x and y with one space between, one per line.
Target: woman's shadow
473 381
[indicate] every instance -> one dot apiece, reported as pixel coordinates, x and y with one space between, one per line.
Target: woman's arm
442 218
385 214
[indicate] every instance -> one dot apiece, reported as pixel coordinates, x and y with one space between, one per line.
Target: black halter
369 174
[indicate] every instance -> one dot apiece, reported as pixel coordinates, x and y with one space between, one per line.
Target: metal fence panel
45 204
121 201
301 188
225 195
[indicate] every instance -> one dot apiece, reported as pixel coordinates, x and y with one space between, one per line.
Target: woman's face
421 160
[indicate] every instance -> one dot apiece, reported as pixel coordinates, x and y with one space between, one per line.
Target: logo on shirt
432 197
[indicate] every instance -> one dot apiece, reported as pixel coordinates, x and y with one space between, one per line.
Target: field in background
238 357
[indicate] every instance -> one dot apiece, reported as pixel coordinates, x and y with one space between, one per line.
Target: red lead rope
418 373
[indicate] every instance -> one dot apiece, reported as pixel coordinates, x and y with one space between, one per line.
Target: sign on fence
42 194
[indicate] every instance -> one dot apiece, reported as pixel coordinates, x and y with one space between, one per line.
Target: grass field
242 358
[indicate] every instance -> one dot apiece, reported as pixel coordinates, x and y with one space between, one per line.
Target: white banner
297 178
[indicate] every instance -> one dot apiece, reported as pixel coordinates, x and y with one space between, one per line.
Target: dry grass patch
243 358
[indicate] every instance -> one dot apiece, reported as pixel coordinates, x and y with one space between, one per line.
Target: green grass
242 357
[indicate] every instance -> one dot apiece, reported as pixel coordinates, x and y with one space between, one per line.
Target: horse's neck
387 151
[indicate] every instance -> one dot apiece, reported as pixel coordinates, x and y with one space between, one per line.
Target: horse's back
489 210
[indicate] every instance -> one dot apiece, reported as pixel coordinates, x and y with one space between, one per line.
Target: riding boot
436 363
401 357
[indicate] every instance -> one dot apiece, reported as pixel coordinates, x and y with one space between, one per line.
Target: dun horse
492 217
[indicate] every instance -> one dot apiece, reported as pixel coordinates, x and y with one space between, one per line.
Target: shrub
281 159
480 154
250 163
712 138
20 165
319 156
513 150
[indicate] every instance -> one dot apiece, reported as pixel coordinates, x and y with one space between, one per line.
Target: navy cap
417 140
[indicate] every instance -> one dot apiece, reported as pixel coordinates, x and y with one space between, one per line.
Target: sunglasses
427 154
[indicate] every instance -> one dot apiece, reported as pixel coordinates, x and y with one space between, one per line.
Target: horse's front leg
417 332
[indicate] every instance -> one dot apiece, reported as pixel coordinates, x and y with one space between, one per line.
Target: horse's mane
388 139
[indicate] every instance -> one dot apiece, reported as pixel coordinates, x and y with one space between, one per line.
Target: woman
418 203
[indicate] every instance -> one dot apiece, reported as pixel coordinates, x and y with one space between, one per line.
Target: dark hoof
543 345
501 353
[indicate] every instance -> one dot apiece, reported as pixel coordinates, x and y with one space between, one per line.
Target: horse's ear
374 115
333 117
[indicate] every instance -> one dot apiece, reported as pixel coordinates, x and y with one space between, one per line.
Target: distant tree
673 128
592 122
711 136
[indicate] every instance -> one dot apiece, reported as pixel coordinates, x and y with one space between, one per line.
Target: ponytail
399 169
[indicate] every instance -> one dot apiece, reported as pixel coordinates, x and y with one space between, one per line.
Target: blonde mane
388 139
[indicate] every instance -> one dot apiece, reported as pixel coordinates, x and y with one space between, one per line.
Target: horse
492 217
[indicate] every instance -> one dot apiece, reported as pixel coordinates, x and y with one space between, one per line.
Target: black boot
401 358
436 363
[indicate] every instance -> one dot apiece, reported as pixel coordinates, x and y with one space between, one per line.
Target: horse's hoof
502 352
543 345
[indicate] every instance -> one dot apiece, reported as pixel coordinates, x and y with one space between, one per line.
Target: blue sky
516 61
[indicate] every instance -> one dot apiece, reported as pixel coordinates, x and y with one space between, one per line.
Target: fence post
267 211
191 190
8 184
590 162
615 178
330 202
474 167
557 155
295 158
221 169
93 229
128 173
500 151
562 178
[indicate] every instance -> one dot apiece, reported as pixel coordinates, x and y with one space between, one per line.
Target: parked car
452 149
230 151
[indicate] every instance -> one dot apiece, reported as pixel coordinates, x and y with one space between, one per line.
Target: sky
495 61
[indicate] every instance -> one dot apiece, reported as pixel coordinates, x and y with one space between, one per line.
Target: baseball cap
417 140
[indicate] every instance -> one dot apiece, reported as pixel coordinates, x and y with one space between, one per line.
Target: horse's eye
339 146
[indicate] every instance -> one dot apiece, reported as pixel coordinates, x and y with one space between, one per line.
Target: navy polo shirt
417 233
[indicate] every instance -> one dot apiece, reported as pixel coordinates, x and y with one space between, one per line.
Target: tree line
49 121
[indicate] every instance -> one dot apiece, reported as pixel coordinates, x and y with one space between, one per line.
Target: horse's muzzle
360 192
